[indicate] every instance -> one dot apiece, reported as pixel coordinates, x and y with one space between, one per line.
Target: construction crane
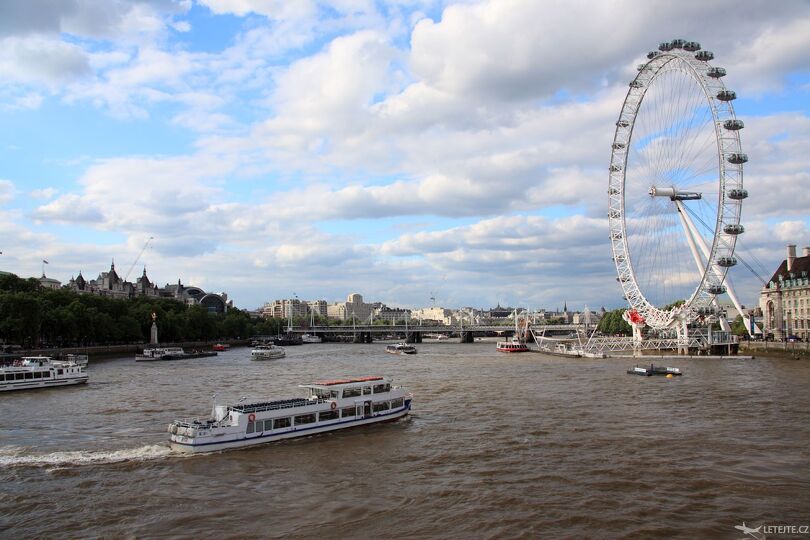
146 245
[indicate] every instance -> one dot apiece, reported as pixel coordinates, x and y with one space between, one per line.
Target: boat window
382 406
251 427
37 374
19 376
46 375
327 415
395 404
351 392
304 419
58 371
2 377
334 394
279 423
349 411
366 390
379 388
29 375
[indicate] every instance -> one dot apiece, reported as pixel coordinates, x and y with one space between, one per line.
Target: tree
612 323
738 328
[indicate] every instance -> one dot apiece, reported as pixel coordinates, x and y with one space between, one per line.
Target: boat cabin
347 388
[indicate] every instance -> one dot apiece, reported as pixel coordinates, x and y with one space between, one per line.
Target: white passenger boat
400 348
330 405
267 352
40 372
160 353
310 338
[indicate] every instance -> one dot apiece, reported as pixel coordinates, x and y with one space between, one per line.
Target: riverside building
111 285
785 299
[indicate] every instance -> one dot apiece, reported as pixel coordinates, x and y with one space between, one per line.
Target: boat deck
274 405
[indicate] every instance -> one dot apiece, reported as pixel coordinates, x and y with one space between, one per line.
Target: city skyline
406 151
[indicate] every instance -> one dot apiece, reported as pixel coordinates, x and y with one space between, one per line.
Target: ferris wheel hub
674 194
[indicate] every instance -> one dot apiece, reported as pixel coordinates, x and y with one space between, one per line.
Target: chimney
791 257
806 252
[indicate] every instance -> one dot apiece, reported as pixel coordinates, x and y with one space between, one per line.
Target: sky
404 150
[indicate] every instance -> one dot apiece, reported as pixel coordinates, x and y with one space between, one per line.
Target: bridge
413 333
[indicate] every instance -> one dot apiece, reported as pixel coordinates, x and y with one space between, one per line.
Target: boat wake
21 457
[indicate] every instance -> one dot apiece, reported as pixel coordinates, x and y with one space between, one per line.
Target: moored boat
170 353
267 352
287 341
40 372
400 348
220 347
330 405
310 338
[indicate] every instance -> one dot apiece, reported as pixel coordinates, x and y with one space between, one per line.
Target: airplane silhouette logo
749 530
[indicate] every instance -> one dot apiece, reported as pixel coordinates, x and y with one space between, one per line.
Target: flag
44 261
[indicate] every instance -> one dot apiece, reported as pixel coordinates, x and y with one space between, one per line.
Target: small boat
329 406
267 352
513 345
170 353
40 372
221 347
310 338
653 370
400 348
518 341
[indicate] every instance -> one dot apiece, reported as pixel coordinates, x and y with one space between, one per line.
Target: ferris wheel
676 187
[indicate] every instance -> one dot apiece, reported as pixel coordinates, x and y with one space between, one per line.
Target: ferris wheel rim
729 177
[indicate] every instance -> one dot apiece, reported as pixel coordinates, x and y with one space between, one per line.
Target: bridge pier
413 337
466 337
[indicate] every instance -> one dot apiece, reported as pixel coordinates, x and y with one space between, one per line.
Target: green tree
738 328
612 323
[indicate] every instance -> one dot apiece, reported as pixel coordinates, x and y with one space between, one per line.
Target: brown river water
497 446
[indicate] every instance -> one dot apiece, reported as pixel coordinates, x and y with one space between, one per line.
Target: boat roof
338 382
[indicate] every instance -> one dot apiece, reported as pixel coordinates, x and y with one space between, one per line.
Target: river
497 446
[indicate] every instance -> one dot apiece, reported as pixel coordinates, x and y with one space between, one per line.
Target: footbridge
366 333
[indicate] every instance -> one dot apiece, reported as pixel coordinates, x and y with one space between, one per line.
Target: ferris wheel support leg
638 337
695 240
683 337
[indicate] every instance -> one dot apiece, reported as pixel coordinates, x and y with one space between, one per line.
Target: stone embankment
796 349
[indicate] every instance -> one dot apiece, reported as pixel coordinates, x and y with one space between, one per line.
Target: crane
146 245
